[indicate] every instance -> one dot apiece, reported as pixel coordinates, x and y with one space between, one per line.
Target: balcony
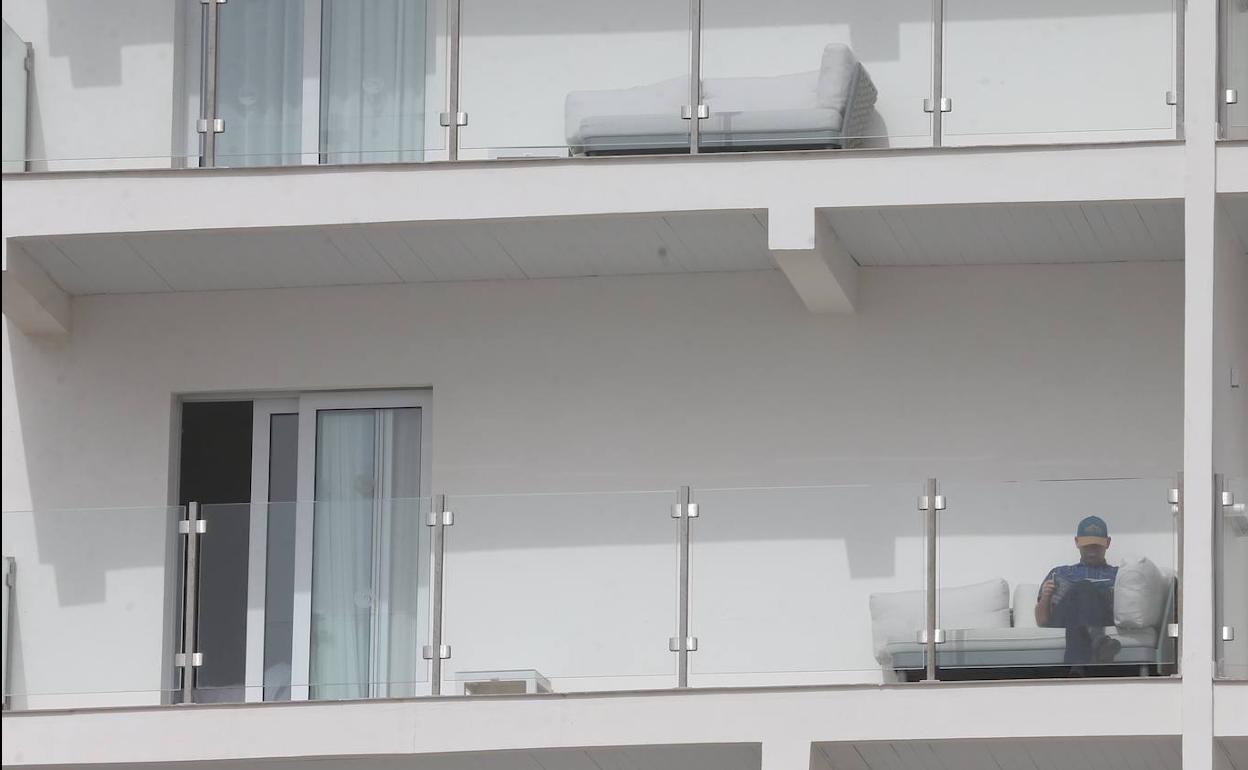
292 83
471 595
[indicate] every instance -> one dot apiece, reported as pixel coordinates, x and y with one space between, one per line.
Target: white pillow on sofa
1025 595
902 614
836 73
1140 594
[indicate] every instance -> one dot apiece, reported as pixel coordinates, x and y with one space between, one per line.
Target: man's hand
1046 591
1044 605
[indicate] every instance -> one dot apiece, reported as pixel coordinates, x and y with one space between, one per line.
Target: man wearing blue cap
1080 598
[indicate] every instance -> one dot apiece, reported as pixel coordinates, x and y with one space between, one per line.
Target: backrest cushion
1025 595
901 615
1140 594
778 92
836 73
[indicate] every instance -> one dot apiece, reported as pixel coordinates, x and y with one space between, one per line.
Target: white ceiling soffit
1135 753
691 757
404 253
1047 233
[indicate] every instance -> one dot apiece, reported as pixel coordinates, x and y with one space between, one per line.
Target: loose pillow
1140 594
1025 605
836 72
902 614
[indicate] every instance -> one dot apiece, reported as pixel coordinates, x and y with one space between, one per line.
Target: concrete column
1200 239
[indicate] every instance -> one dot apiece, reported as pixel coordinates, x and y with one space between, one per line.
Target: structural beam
32 302
806 248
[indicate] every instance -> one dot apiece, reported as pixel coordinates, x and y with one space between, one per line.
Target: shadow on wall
92 35
873 25
84 525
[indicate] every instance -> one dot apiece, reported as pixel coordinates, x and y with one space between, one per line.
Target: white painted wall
104 81
715 380
1060 71
1230 432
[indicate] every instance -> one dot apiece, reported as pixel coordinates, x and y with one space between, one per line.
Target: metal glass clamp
444 652
1172 98
1228 633
1172 630
445 518
690 645
925 503
444 119
1232 96
945 103
686 112
197 659
218 125
685 510
921 636
184 526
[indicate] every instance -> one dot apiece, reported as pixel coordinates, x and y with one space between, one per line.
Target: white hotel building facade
445 384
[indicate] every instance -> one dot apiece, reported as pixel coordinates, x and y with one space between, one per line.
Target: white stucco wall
977 374
104 81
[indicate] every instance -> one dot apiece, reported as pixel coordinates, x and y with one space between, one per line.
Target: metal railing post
453 118
937 107
930 503
435 652
683 643
696 110
189 659
10 597
209 124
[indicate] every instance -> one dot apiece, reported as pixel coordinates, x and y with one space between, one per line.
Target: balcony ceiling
1132 753
563 247
1115 231
118 263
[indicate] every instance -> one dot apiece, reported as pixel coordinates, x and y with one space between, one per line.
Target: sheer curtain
342 554
366 539
260 82
373 80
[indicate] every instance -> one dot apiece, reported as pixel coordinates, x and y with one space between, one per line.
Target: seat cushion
901 615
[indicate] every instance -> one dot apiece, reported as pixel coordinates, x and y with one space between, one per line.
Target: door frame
263 410
309 405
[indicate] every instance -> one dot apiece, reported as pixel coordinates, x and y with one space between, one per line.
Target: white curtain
404 525
365 554
260 82
373 80
342 554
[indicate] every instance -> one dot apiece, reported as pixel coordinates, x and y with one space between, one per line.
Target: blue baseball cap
1092 531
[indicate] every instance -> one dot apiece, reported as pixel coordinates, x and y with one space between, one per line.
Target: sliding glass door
337 547
327 81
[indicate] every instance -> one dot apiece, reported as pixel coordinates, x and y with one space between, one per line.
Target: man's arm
1044 603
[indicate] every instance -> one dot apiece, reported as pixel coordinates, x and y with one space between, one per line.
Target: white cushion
901 615
782 92
664 98
1025 604
1140 594
836 72
1006 639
